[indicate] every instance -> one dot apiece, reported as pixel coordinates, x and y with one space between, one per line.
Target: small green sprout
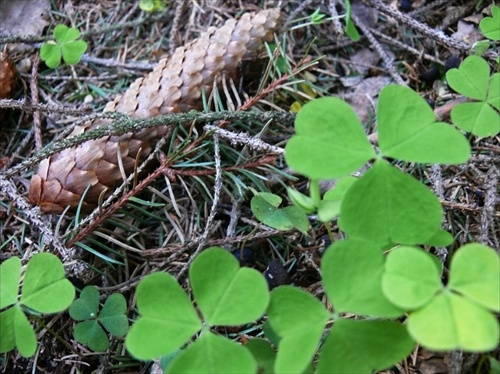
65 45
112 317
317 18
152 5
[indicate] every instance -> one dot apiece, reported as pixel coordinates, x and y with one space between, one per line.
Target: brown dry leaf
23 18
467 32
7 75
363 98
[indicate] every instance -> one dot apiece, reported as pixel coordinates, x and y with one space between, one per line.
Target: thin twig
125 124
35 217
438 36
213 210
243 138
37 123
388 61
179 8
47 108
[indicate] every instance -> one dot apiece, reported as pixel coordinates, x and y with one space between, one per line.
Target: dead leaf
23 18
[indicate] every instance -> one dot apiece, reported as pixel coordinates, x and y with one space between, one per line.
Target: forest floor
171 218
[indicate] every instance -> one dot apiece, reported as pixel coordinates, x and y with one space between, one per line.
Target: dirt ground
143 233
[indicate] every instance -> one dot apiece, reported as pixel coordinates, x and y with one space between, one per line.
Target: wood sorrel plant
45 290
383 211
379 273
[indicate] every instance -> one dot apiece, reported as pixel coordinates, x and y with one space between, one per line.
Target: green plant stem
330 232
314 191
56 335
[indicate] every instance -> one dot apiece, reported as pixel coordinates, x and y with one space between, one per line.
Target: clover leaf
456 316
490 26
45 290
65 45
472 79
330 141
352 273
397 208
381 343
299 320
212 353
112 317
407 130
225 294
265 207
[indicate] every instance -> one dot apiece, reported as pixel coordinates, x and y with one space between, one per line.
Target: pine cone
7 76
175 85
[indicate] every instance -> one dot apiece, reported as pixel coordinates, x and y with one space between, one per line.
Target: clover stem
329 230
315 192
56 335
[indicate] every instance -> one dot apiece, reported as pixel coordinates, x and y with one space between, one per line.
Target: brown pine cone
175 85
7 76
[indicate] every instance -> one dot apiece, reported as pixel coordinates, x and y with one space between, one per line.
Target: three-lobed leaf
472 79
66 46
112 317
452 317
407 130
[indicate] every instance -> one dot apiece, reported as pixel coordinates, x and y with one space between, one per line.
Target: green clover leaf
265 207
45 290
352 272
408 130
490 26
453 317
65 45
381 344
472 79
112 317
167 321
220 288
329 141
397 208
298 319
